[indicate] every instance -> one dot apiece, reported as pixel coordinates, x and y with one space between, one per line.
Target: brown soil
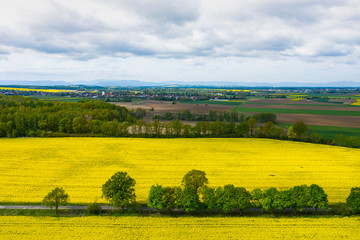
345 101
339 108
288 101
323 120
160 107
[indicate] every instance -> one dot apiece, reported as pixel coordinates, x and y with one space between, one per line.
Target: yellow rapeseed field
31 167
357 102
296 96
20 227
36 90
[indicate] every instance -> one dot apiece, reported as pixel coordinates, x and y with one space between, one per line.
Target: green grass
213 102
42 212
58 98
298 111
329 131
334 95
298 104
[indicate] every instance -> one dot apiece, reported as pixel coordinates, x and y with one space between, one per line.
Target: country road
41 207
148 209
38 207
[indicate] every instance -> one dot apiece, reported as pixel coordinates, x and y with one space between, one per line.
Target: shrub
340 209
94 208
353 200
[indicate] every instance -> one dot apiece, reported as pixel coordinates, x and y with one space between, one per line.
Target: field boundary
147 210
298 111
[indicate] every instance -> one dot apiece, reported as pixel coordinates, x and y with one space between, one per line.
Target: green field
298 111
213 102
299 104
58 98
329 131
332 95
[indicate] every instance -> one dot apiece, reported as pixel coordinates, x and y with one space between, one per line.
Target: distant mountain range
136 83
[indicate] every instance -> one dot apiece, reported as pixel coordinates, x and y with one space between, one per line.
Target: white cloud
189 32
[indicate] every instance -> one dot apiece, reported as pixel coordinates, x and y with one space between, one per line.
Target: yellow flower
31 167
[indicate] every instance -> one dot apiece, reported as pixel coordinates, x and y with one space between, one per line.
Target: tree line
187 115
28 117
194 194
20 117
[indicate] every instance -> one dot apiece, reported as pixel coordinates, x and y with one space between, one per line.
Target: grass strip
299 104
329 131
214 102
298 111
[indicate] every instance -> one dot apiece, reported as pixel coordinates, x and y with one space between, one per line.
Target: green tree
177 126
186 130
197 128
57 197
63 125
231 197
178 196
2 129
265 117
315 137
291 134
267 127
242 129
169 198
80 125
252 124
230 128
256 195
42 124
109 128
339 140
210 198
204 127
95 126
119 190
217 128
157 127
299 129
195 179
268 199
318 197
284 199
189 199
352 141
353 200
155 199
301 195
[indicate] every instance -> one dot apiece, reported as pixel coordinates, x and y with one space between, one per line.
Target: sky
309 41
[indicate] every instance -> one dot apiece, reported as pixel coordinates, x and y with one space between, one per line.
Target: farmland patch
31 167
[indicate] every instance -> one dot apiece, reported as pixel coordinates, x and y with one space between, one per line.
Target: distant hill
137 83
34 83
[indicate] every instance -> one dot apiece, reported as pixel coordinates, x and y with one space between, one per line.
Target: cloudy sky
180 40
